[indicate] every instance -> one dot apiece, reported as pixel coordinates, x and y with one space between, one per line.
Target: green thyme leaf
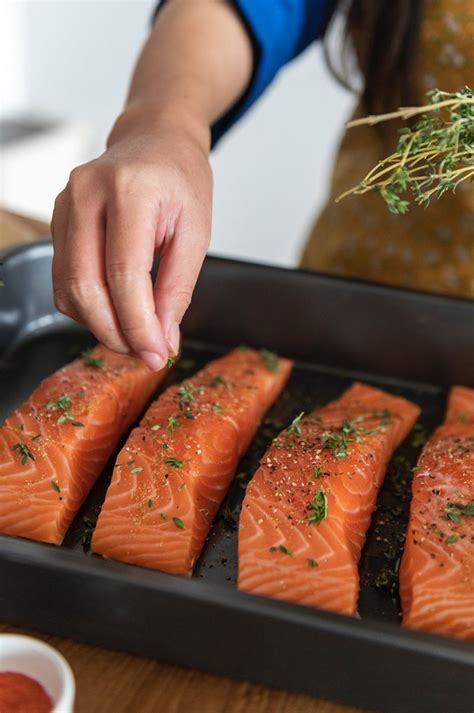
178 522
281 548
89 360
174 462
55 486
270 359
150 503
318 507
164 516
136 470
60 405
173 423
312 563
452 539
295 425
24 451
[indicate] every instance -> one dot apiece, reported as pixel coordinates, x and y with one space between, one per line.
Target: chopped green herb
170 362
312 563
174 462
37 437
181 486
86 536
173 423
24 451
186 394
455 511
138 469
178 522
336 442
316 472
164 516
61 404
129 463
270 359
281 548
78 424
81 393
216 380
89 360
55 486
452 539
188 414
150 503
452 512
462 416
295 425
217 408
419 437
66 416
20 427
165 446
319 507
156 427
384 413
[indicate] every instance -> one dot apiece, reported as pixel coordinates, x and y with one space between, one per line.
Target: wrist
151 118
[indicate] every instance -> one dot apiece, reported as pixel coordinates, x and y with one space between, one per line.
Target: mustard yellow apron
430 249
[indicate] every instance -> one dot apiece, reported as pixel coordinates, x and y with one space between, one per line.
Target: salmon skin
175 469
54 446
437 569
308 507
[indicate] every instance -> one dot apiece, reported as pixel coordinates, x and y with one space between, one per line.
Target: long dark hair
383 36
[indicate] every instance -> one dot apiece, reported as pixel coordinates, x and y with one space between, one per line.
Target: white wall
74 61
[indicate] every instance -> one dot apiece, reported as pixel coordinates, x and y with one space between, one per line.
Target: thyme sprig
432 157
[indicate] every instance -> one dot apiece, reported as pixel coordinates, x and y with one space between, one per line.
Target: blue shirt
280 30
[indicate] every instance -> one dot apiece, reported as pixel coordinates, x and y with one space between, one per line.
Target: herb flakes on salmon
313 496
188 452
54 446
437 569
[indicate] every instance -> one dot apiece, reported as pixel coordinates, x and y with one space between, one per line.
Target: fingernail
153 361
173 338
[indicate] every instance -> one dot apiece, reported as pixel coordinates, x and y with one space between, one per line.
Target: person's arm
151 191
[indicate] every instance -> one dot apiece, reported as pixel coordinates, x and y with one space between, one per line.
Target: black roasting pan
408 342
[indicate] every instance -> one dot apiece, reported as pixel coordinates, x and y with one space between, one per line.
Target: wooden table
114 682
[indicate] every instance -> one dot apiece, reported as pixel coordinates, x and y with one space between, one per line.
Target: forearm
196 63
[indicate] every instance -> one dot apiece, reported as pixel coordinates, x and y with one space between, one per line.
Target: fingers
79 280
130 246
180 265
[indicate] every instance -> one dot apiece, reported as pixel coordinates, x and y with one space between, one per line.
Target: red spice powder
22 694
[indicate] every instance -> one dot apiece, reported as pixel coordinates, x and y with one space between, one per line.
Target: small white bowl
23 654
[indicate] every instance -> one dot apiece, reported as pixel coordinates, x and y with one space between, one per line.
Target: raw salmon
176 468
54 446
437 570
308 507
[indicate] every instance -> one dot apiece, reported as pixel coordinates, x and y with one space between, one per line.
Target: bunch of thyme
432 157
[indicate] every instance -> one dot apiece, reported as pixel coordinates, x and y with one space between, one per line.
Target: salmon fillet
308 507
437 569
176 468
54 446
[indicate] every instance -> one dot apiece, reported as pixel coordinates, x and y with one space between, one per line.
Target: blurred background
64 72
